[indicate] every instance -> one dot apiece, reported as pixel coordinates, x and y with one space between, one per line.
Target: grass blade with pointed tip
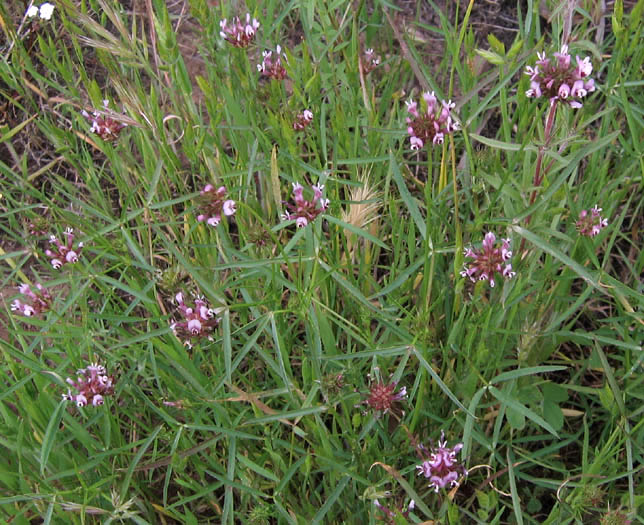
50 435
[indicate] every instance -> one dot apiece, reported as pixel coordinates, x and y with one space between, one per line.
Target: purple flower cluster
440 465
271 65
64 253
40 300
92 385
590 224
239 34
213 203
303 120
103 125
431 125
302 211
557 78
197 323
487 261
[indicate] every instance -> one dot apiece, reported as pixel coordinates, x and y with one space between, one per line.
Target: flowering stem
442 177
418 408
430 176
428 270
458 241
538 175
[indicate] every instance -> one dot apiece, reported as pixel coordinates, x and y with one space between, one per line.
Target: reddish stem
538 175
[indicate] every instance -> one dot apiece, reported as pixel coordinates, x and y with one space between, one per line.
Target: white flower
32 11
46 10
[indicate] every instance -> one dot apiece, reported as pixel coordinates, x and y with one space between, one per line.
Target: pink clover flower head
238 33
440 465
558 79
271 65
429 126
213 203
92 384
383 397
303 211
591 223
63 253
39 301
491 259
103 124
369 61
303 120
197 322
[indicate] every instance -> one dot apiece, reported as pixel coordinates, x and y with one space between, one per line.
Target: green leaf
520 372
515 49
423 362
333 497
553 392
516 501
125 485
580 270
515 418
407 198
289 414
491 57
356 230
552 414
14 131
522 409
496 44
508 146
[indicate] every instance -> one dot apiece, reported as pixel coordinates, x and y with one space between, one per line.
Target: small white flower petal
46 10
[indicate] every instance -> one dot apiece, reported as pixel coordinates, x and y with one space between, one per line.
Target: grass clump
297 267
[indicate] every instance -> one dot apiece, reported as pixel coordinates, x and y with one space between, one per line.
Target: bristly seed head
382 397
615 517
